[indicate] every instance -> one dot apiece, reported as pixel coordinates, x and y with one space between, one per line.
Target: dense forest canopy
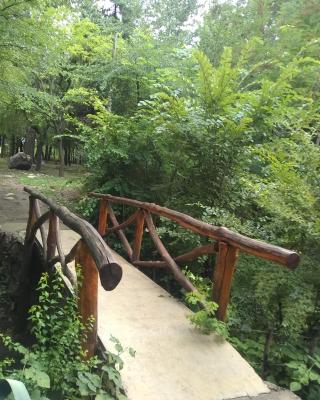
216 116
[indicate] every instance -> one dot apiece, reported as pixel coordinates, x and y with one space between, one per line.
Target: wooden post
52 236
28 244
120 233
103 215
33 221
255 247
225 266
42 229
32 216
88 296
172 265
138 236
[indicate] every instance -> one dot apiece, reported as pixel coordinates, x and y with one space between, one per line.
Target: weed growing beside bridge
55 366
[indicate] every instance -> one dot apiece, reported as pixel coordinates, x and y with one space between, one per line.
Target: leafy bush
56 366
205 318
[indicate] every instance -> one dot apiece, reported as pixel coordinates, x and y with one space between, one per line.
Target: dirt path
13 202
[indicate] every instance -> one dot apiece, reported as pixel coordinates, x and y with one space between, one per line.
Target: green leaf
83 389
295 386
132 352
103 396
43 380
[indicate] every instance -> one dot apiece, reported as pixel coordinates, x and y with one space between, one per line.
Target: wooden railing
227 245
90 252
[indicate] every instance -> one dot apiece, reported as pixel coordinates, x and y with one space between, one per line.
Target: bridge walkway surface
173 360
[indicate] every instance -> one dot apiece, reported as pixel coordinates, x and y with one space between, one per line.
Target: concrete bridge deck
173 360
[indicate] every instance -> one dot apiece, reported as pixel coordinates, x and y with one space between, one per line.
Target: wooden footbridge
173 360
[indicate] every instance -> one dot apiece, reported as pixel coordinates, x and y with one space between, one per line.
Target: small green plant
204 310
56 367
87 207
205 319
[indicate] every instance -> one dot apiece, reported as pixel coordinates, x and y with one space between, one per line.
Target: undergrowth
56 367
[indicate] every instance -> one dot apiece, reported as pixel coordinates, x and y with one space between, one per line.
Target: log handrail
177 273
91 252
227 245
99 250
255 247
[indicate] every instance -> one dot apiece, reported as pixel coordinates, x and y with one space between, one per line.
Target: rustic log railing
227 245
90 252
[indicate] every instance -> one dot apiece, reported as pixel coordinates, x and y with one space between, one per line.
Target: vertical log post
120 233
225 266
32 216
138 236
52 236
88 296
28 246
42 229
103 215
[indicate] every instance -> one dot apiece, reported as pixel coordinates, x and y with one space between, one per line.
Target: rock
276 393
20 161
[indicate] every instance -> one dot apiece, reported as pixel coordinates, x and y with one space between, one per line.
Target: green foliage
304 370
168 16
87 207
221 122
205 319
53 186
234 148
56 365
204 309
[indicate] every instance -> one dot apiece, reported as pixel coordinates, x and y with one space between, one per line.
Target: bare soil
14 201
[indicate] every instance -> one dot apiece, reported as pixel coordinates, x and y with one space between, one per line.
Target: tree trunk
46 152
138 90
39 155
12 145
266 352
314 344
69 154
50 153
29 144
315 328
61 157
114 53
3 143
66 150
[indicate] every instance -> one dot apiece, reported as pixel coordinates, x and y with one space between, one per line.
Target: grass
65 190
51 185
